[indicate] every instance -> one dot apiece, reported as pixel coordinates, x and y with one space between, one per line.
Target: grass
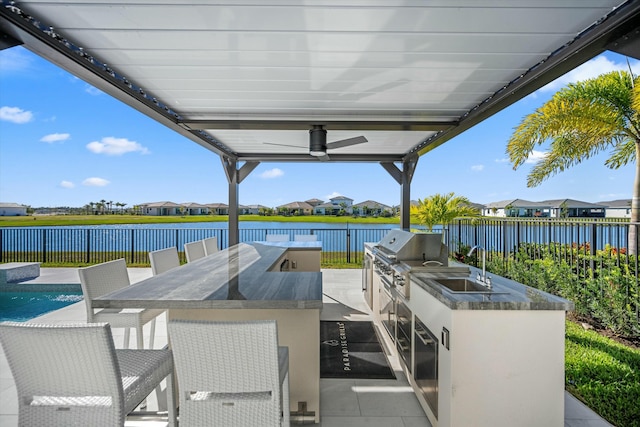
62 220
604 374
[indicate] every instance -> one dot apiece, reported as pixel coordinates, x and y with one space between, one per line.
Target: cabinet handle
402 343
424 337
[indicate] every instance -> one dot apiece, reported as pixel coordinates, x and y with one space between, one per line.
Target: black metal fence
81 246
587 262
503 237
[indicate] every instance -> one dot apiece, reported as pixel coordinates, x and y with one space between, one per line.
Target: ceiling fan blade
284 145
324 158
346 142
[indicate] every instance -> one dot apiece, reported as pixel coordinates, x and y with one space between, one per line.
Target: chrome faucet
484 278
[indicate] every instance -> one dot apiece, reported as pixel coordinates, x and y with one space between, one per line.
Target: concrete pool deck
345 403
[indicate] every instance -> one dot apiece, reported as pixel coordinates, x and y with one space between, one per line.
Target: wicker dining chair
164 260
210 245
194 250
101 279
230 373
72 375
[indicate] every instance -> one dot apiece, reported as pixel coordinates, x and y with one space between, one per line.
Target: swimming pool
19 304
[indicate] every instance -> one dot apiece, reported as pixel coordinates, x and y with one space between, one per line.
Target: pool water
22 306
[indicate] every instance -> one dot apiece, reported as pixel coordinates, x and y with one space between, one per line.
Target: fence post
594 244
348 244
504 241
1 245
88 252
44 245
517 242
132 246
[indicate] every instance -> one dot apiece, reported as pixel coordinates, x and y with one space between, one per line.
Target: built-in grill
401 252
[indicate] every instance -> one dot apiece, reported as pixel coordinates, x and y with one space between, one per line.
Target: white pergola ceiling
239 78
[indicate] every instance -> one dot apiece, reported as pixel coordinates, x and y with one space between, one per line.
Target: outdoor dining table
244 282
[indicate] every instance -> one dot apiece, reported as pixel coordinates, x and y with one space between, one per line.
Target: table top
234 278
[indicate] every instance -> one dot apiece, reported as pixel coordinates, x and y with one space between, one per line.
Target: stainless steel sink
461 284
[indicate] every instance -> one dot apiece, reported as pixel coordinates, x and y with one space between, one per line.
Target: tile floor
344 403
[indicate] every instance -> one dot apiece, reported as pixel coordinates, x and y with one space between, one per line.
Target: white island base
297 329
501 367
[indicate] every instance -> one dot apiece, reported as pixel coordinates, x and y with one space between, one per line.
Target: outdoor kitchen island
247 282
483 357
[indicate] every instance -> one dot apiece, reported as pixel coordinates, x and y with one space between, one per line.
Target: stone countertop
507 294
235 278
298 246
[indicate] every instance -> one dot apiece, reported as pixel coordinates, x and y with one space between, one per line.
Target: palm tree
582 120
441 209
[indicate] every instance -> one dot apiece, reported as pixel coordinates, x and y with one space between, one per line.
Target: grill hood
401 245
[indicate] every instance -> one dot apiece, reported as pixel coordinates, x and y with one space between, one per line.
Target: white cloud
15 115
67 184
14 60
536 156
115 146
55 137
95 182
477 168
503 160
271 173
590 69
93 90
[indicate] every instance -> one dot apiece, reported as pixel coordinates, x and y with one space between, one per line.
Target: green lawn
604 374
55 220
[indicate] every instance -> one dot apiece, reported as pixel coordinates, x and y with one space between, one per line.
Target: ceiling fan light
317 141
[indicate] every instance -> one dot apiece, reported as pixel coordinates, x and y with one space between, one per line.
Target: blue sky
65 143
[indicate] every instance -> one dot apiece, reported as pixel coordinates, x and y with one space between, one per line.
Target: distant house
12 209
560 208
218 208
256 209
161 208
323 209
617 208
569 208
195 209
296 208
370 208
335 206
518 208
314 202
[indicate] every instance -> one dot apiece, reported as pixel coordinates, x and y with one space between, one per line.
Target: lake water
149 237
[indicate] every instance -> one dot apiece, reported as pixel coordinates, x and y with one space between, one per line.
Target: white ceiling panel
239 78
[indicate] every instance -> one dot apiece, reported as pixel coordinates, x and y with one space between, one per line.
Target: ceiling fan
318 144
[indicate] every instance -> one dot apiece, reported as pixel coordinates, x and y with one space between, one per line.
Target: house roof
516 203
372 204
11 205
341 198
314 202
164 204
297 205
193 205
249 80
571 203
617 204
